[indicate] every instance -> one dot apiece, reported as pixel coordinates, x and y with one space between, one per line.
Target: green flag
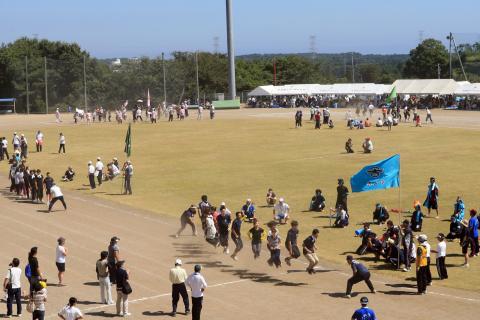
393 95
128 141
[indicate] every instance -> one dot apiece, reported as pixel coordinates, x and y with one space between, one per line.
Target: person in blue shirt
364 313
360 273
459 210
248 211
473 233
417 219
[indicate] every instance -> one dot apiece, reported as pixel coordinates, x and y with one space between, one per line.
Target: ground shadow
115 194
92 283
43 210
158 313
338 294
102 314
347 252
262 278
398 293
87 302
82 189
401 285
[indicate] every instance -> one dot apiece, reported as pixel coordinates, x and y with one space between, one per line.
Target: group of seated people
367 145
389 121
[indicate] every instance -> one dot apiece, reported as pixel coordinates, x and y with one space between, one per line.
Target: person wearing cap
281 211
102 270
113 258
291 242
128 173
441 255
236 234
60 259
178 276
309 249
188 217
429 249
57 195
91 175
431 201
342 195
407 243
197 284
248 211
115 162
364 313
61 141
367 145
360 273
421 265
99 170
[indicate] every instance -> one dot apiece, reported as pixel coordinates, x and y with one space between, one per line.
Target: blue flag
383 174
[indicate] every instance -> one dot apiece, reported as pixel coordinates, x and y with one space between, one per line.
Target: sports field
240 155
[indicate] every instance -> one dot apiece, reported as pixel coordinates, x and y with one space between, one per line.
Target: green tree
425 59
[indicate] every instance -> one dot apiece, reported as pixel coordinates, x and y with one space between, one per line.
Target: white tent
468 89
369 89
426 86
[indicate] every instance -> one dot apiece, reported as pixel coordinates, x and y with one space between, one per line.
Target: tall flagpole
164 81
232 88
198 83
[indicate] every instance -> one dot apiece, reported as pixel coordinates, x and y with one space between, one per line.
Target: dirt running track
244 289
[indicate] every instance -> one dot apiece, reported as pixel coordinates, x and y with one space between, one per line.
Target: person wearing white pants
104 279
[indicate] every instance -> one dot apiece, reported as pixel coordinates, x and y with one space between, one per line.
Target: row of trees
110 86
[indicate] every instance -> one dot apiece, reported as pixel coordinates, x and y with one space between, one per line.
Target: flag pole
399 212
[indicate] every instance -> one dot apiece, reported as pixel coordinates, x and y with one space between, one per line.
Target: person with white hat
178 276
421 265
99 170
91 175
281 211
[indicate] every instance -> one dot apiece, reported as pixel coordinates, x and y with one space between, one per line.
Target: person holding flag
127 167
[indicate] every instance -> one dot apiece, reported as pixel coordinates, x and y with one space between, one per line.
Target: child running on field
256 234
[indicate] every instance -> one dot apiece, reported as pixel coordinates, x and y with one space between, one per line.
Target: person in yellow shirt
178 275
422 265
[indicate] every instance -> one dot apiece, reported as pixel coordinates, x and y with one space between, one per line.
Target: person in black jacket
407 244
318 201
360 273
122 289
342 194
380 215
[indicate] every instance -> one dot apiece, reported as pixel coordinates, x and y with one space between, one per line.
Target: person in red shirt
317 120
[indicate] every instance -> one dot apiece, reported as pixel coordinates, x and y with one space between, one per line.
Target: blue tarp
8 100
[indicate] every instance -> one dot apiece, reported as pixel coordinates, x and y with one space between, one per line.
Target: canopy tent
426 86
8 105
325 89
468 89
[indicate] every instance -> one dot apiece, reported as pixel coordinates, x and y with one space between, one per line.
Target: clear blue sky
121 28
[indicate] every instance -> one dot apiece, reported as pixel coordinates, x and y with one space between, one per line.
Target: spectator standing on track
99 170
309 249
441 255
123 288
39 186
60 259
364 313
223 224
128 173
291 243
61 141
39 297
429 249
13 287
35 271
187 217
407 244
197 283
178 276
91 175
473 225
113 258
104 279
421 266
48 182
360 273
256 234
57 195
70 312
236 235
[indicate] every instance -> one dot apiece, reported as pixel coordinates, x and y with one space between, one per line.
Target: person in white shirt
91 175
367 145
429 116
281 211
441 254
371 108
200 111
99 170
210 230
197 283
60 259
379 123
39 141
57 116
12 287
61 141
177 276
16 141
57 195
4 149
70 312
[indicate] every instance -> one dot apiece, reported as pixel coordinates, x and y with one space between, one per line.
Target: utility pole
198 83
353 70
438 70
449 37
274 72
85 83
232 89
26 84
46 85
164 81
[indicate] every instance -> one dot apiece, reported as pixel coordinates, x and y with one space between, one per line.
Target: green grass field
238 156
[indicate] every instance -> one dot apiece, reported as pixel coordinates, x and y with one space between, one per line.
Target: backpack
28 271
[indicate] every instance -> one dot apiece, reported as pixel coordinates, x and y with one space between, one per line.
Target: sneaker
19 315
348 296
234 257
127 314
227 251
406 270
465 265
373 291
173 314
